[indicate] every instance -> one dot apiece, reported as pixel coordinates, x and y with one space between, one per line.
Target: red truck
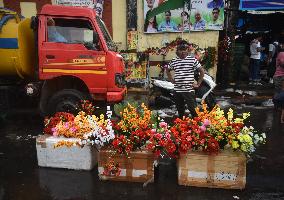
63 55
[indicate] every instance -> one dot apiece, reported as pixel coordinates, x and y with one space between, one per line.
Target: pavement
22 179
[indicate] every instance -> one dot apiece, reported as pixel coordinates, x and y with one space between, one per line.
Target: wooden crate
138 167
73 157
225 170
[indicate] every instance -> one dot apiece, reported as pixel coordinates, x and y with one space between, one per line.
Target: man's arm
170 75
200 78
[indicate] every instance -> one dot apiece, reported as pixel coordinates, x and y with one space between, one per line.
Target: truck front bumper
116 96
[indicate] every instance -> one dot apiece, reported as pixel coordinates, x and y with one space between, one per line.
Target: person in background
184 67
254 66
199 23
168 24
271 61
53 34
150 4
185 25
216 22
278 77
151 25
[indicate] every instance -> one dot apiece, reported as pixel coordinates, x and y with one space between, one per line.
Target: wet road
22 179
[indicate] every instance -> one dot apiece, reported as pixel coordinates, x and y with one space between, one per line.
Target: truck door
68 48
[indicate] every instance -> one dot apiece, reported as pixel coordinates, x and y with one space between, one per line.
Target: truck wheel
66 100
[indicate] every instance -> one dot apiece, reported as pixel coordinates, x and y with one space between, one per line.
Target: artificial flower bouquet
84 128
210 132
133 130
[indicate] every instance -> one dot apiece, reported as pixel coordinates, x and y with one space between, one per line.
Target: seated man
53 35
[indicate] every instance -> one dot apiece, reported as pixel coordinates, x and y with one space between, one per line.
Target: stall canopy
261 4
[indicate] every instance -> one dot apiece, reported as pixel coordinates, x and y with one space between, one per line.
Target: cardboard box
73 157
225 170
139 167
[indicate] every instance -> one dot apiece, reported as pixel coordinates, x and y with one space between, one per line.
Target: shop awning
261 4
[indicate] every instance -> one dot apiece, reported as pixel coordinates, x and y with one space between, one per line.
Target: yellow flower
235 144
230 114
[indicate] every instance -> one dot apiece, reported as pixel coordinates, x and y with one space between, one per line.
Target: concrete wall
28 9
203 39
119 23
16 5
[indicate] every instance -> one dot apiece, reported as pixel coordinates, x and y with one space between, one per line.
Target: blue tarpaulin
261 4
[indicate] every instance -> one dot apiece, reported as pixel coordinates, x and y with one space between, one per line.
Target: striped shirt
184 73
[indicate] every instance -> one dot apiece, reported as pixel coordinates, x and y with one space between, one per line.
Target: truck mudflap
116 96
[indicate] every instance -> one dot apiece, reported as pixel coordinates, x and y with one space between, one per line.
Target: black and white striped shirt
184 73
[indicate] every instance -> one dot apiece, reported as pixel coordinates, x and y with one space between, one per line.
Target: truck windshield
107 37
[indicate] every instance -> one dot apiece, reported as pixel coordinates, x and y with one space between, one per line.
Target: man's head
182 49
197 16
168 15
215 13
259 37
150 3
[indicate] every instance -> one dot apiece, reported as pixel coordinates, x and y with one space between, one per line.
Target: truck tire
66 100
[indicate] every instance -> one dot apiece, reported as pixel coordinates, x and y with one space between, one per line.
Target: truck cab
76 59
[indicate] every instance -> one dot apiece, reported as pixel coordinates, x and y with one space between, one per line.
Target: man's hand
195 85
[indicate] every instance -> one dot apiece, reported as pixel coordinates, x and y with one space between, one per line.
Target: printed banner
204 15
95 4
261 4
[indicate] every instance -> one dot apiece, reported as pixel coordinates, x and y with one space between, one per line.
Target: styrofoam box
73 157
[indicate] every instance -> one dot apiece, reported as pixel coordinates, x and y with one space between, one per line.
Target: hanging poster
95 4
204 15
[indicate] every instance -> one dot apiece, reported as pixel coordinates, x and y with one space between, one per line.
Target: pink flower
153 131
202 128
163 124
206 122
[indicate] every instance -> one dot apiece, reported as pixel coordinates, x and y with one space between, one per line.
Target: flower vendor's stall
211 149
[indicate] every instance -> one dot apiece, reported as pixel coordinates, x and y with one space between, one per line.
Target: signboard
204 15
261 4
95 4
76 3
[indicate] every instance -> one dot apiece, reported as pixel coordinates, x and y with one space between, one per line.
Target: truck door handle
50 56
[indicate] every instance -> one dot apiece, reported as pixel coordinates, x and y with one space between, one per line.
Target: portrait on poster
204 15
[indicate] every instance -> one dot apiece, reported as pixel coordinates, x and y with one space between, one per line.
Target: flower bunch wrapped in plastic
212 130
50 123
160 141
133 130
89 129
